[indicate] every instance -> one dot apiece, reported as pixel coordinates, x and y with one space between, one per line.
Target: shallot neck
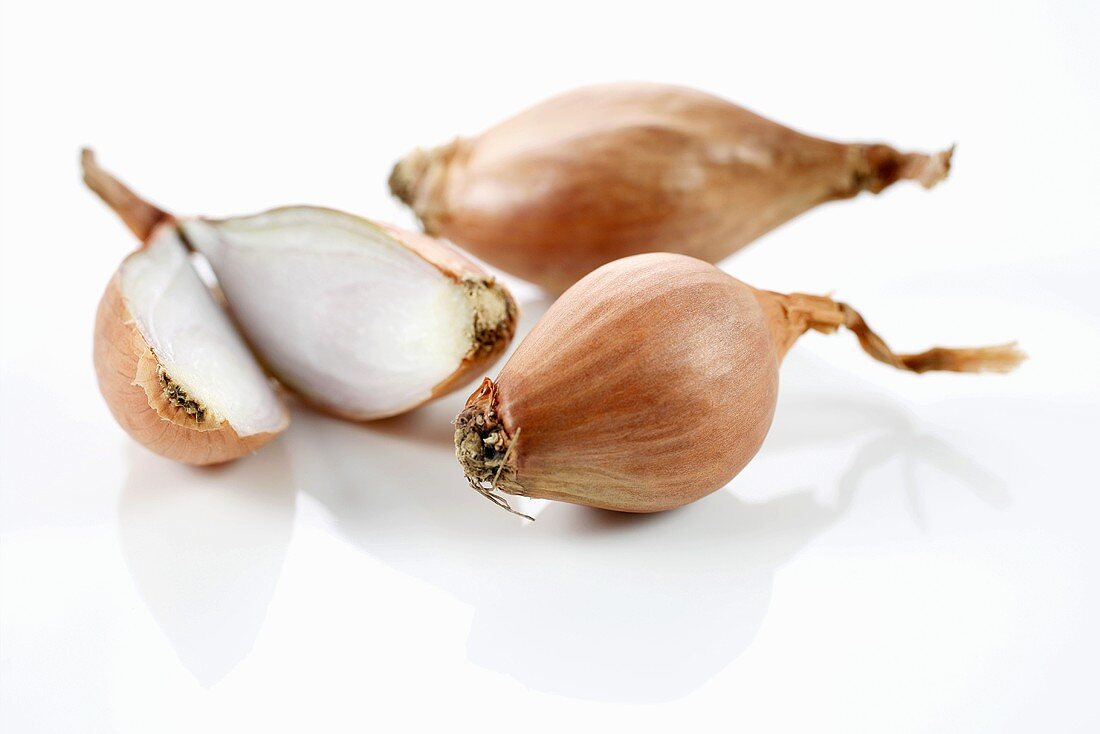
136 213
789 316
875 167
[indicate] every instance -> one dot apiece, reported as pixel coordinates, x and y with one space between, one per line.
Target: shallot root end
416 180
485 450
494 316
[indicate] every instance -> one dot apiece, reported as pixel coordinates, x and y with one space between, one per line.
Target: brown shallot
651 383
607 171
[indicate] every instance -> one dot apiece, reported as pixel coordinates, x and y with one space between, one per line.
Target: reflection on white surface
838 599
583 603
588 603
205 547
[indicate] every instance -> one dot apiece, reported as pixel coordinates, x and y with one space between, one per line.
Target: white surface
906 554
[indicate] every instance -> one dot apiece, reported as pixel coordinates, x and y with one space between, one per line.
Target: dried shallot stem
823 314
138 214
927 170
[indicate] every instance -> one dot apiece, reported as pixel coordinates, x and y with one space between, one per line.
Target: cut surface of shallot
194 340
343 312
359 318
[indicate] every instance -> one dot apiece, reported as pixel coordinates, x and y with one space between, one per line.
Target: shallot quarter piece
651 383
173 370
359 318
607 171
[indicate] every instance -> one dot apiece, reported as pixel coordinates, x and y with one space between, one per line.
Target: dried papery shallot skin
607 171
651 383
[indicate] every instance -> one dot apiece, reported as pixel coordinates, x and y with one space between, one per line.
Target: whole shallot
608 171
651 383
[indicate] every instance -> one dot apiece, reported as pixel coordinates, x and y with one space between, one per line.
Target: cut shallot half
359 318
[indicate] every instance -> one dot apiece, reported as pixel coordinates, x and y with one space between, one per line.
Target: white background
906 554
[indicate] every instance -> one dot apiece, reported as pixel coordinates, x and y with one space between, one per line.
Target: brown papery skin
130 381
608 171
651 383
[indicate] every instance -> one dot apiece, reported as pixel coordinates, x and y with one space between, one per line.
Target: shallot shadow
592 604
205 548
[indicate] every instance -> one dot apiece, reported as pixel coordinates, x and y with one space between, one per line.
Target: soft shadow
205 548
593 604
820 406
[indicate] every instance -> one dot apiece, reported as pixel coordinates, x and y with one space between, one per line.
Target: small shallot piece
174 372
607 171
651 383
361 319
